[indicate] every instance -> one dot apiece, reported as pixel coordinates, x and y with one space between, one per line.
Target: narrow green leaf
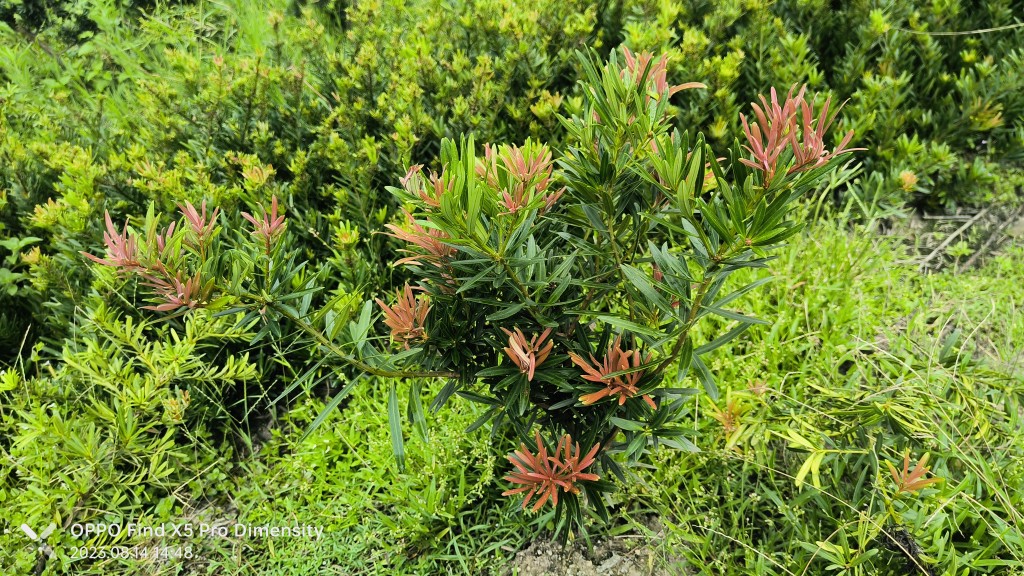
473 397
636 446
633 327
685 359
704 375
776 235
494 371
594 216
506 312
804 470
475 280
230 311
626 424
395 424
416 410
723 339
563 404
712 217
360 328
679 443
474 194
307 376
298 294
483 419
329 407
442 397
642 283
735 316
521 233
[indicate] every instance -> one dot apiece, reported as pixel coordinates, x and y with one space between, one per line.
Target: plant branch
355 363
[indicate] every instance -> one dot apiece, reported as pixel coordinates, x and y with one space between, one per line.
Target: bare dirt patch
627 555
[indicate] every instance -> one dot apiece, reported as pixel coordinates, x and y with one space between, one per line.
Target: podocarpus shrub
564 298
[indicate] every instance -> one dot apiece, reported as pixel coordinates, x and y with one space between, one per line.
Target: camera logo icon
40 539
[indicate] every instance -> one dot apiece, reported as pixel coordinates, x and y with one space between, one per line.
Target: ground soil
631 554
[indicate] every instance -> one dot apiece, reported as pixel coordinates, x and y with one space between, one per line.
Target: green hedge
334 102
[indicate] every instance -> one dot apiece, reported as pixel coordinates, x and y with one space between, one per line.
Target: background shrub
938 108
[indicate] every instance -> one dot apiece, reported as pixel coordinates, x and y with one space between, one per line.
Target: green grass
866 359
442 514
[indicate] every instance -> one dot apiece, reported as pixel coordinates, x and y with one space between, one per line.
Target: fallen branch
951 237
994 237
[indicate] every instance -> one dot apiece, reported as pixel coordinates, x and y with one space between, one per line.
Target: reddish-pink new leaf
570 465
407 317
162 240
529 176
777 128
429 190
178 293
269 226
615 360
542 475
657 72
528 354
197 220
912 480
435 251
811 152
122 251
768 137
